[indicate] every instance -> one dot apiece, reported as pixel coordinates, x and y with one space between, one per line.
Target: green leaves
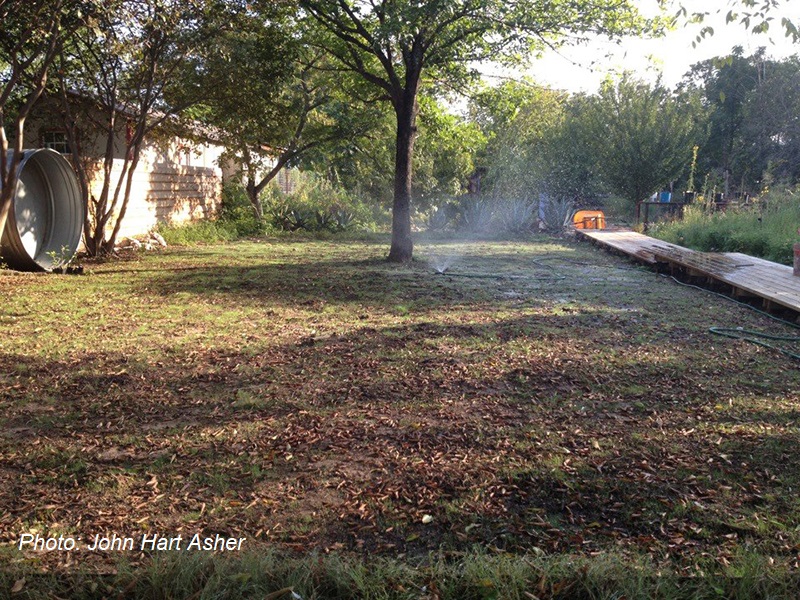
643 135
446 36
752 15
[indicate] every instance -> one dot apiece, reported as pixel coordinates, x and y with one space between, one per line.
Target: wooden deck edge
659 255
642 255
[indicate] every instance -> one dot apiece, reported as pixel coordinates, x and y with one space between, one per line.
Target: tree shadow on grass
351 440
497 281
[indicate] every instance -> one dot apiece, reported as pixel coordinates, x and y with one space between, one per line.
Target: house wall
173 185
176 180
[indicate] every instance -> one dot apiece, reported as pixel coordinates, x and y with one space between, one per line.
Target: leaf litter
305 411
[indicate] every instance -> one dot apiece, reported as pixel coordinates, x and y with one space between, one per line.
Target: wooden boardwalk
747 276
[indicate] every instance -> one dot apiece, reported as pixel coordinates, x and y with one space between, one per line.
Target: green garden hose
482 275
550 277
749 335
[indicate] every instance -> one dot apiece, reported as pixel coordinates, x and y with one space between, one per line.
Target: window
56 140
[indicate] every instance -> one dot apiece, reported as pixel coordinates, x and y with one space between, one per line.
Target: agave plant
438 218
556 214
323 219
516 216
476 216
281 216
342 218
288 218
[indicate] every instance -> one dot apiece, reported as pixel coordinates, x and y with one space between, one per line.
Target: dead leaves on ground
506 426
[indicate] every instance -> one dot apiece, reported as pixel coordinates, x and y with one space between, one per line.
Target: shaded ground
306 395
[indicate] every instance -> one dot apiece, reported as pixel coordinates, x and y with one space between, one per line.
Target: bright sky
582 68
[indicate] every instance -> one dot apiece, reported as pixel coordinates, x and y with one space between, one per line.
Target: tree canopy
399 46
757 16
34 32
130 66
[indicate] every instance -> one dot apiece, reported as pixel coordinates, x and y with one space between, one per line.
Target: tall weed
766 228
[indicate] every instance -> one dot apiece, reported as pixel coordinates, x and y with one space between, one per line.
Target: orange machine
589 219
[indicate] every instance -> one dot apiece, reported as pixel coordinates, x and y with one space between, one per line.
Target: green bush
767 228
619 210
237 211
317 205
234 220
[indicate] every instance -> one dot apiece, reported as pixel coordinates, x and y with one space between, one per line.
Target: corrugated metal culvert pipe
44 225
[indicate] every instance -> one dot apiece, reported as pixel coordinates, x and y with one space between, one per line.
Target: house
176 180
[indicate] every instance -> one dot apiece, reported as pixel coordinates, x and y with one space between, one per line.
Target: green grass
767 229
474 576
564 409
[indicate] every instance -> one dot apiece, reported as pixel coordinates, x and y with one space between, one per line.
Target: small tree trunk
94 229
254 195
8 185
7 188
402 244
108 246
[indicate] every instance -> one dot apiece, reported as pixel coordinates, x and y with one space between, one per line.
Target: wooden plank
750 276
775 284
629 242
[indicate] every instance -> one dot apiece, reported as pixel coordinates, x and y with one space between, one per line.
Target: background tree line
731 126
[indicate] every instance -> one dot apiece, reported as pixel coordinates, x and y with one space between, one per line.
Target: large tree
753 133
643 135
757 16
771 129
269 99
519 119
396 44
726 84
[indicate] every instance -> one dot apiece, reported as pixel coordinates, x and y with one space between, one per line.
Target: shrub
516 216
317 205
199 232
235 219
237 212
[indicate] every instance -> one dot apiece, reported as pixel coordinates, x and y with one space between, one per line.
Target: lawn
538 399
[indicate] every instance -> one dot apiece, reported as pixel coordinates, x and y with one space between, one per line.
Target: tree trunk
8 185
47 53
94 229
108 246
253 194
402 244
